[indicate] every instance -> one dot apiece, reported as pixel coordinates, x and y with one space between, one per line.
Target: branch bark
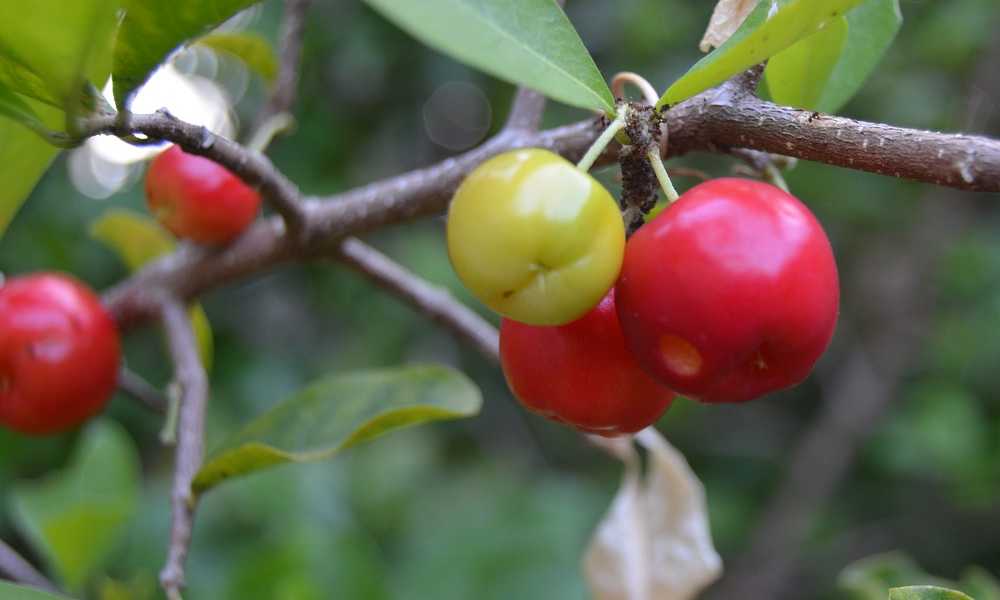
435 302
140 389
287 82
713 121
190 374
14 566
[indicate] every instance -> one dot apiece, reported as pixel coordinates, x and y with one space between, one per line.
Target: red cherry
730 293
581 373
59 354
198 199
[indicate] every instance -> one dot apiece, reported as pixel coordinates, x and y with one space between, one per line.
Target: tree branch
14 566
526 110
190 374
287 82
435 302
252 167
141 390
715 120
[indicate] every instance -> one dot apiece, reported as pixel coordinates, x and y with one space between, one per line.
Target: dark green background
501 506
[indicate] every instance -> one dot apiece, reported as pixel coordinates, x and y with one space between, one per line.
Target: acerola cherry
59 354
198 199
581 373
730 293
535 238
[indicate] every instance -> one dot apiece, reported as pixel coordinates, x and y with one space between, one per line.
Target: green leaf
530 42
841 57
52 49
980 584
798 76
136 238
925 592
151 31
139 239
870 577
24 157
75 517
18 77
758 39
255 51
338 412
12 591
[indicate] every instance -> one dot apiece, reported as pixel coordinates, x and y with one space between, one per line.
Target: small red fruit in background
198 199
730 293
59 354
581 373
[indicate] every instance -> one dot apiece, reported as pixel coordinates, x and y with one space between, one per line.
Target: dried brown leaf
726 19
654 543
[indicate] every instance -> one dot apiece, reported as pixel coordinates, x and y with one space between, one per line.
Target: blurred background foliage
501 506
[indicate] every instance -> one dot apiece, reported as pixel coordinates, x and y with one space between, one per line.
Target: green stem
774 176
168 435
601 143
661 175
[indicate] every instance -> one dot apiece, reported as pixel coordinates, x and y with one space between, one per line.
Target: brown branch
526 111
190 375
435 302
286 83
252 167
19 570
140 389
714 120
966 162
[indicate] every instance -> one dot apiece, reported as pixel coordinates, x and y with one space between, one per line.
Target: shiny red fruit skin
198 199
59 354
581 374
730 293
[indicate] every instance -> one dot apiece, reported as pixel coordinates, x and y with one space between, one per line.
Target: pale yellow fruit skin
534 238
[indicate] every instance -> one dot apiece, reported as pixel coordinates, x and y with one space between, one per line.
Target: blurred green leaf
53 48
18 77
338 412
870 577
871 29
758 39
24 157
15 107
136 238
76 516
941 429
798 75
139 239
152 29
980 584
529 43
12 591
255 51
925 592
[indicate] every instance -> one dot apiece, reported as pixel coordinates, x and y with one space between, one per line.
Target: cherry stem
648 91
601 143
661 175
774 176
274 126
168 435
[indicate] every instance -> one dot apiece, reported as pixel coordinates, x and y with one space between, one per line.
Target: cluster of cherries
728 294
59 347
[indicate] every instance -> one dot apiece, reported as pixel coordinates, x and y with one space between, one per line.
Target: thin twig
252 167
714 120
14 566
190 375
287 81
525 111
435 302
140 389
